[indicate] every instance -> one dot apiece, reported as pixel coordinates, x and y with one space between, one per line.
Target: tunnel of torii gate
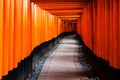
25 24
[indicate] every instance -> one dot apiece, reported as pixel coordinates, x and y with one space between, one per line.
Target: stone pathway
63 63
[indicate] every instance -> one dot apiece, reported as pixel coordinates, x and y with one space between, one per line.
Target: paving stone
63 64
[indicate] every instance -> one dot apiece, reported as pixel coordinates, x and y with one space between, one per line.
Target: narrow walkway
63 64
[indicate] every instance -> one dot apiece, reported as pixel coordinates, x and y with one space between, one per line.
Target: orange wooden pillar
28 27
56 25
98 28
46 26
106 30
102 31
94 26
56 22
115 33
35 28
101 36
38 24
29 42
6 36
84 25
43 25
24 29
53 29
59 26
17 32
11 24
111 32
1 36
53 26
119 36
33 23
90 25
79 26
49 26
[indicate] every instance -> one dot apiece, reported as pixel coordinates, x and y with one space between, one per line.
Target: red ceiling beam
61 0
69 18
66 14
75 16
64 11
61 5
52 7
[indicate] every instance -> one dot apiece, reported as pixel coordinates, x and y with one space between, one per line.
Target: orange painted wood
43 25
33 24
52 27
102 32
65 11
105 21
94 25
35 28
106 30
38 25
98 28
29 28
49 26
63 8
78 29
90 26
59 27
119 36
115 33
17 32
72 19
66 14
26 25
64 4
59 7
55 26
111 32
84 25
1 36
6 37
46 26
11 19
61 0
25 29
